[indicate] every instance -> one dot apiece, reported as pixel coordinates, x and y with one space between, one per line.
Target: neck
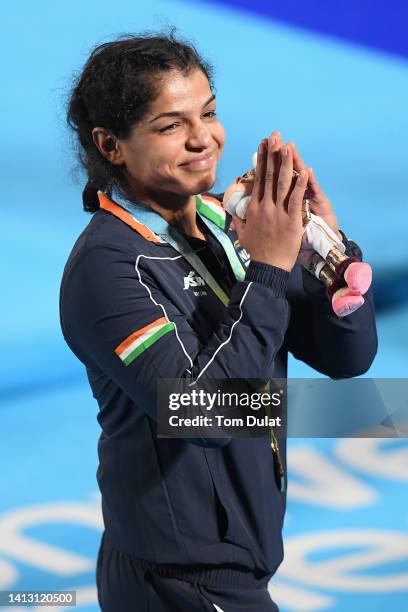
180 212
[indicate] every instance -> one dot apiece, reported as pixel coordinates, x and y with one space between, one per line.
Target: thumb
239 225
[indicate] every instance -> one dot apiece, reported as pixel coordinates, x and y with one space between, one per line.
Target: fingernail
284 151
273 140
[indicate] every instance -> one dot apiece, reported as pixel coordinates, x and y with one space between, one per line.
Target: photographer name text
220 420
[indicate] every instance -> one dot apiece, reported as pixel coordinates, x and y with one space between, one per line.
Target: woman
156 287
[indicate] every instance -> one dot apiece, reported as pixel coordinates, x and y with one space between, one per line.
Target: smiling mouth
202 160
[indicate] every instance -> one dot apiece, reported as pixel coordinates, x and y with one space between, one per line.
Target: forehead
180 92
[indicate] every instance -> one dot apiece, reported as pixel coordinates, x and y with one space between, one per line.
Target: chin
205 183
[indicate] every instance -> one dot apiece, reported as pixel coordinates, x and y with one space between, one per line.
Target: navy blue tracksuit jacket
208 511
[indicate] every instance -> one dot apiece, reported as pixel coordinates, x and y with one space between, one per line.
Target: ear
108 145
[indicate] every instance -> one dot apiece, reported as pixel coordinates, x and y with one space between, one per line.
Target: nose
199 136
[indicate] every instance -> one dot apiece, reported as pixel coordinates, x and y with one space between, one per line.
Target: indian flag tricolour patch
210 207
142 339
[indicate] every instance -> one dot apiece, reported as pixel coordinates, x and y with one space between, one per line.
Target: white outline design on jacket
175 326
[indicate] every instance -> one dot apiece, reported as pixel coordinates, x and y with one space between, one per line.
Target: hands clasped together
272 231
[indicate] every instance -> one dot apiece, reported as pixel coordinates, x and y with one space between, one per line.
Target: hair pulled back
114 90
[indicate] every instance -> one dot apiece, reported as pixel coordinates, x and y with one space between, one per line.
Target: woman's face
175 148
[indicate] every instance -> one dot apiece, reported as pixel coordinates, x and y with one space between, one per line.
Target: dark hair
117 84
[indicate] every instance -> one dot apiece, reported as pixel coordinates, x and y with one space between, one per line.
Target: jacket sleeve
338 348
126 327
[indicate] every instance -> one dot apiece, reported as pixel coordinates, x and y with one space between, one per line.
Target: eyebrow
178 113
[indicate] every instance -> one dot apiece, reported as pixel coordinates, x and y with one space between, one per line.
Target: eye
210 114
169 128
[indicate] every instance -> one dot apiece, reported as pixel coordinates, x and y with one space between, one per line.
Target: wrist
269 275
274 261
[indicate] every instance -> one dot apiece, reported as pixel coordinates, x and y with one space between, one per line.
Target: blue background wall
333 78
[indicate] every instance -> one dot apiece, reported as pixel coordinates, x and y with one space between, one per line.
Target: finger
285 176
278 139
317 190
238 224
272 167
258 188
298 162
296 197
